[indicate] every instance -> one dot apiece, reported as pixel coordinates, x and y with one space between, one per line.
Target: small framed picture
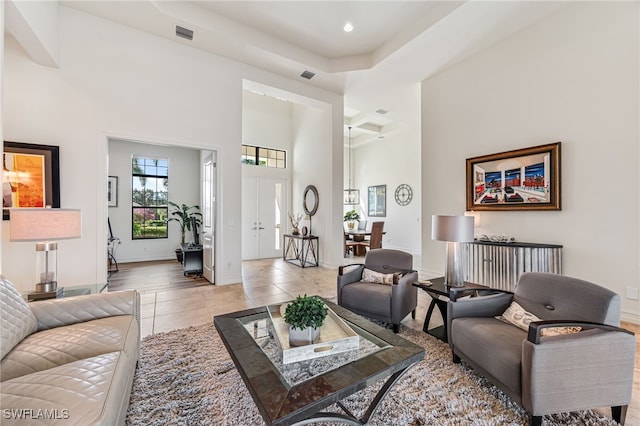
112 191
377 205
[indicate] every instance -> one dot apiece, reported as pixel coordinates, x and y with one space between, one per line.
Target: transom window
150 181
265 157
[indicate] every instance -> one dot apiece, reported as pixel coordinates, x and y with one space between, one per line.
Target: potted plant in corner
305 316
183 214
351 217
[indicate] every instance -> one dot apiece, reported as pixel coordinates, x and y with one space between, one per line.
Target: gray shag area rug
186 377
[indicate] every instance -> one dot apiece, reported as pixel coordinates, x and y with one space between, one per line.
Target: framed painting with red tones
523 179
30 176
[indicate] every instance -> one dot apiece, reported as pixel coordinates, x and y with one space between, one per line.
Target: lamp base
453 274
46 287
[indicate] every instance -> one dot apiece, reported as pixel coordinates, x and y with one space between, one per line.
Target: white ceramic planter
307 336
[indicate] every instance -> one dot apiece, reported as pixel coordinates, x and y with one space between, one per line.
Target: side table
70 291
300 250
440 296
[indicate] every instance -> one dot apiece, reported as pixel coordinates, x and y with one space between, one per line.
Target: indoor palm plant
183 214
305 315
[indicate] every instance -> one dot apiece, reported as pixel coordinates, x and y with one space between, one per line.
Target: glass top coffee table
295 393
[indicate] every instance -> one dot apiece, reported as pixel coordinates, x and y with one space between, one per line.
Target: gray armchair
390 303
546 375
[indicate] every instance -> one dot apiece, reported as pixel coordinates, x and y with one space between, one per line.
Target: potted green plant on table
351 217
183 214
305 315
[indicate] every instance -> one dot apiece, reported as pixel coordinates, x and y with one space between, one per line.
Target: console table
499 265
300 250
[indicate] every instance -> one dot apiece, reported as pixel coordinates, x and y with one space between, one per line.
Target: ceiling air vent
184 32
382 111
307 74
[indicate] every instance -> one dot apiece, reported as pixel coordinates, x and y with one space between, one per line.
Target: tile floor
170 301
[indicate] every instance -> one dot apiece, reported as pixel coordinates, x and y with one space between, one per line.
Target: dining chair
349 245
375 241
362 225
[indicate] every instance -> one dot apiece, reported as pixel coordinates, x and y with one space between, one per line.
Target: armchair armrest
536 327
350 273
483 306
59 312
455 292
403 276
592 368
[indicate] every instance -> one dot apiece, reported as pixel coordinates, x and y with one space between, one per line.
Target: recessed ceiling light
348 27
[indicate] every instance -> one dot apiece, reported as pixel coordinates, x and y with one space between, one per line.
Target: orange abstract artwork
24 176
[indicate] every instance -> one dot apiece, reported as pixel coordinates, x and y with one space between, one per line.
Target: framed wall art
377 201
112 191
523 179
31 176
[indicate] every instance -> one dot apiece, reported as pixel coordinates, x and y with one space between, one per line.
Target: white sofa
67 361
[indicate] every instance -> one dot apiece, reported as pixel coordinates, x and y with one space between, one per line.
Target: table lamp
454 230
45 227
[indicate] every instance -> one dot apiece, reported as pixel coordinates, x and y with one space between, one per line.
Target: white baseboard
629 316
143 259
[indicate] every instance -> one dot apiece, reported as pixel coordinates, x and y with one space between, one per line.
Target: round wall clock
404 194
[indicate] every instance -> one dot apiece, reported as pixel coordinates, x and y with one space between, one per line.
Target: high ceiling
393 45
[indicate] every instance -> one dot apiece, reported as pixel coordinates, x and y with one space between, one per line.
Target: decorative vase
303 337
295 230
351 224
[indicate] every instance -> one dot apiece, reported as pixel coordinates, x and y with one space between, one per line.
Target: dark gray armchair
390 303
553 374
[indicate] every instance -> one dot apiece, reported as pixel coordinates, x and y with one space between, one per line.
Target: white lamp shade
452 228
45 224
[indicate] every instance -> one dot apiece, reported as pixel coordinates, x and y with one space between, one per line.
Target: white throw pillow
17 321
516 315
376 277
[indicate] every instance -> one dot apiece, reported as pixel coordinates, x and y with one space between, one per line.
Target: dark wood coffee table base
351 419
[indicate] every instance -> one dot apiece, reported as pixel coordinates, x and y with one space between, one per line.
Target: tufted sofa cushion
16 319
63 345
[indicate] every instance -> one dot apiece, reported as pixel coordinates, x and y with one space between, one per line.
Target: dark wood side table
301 250
440 296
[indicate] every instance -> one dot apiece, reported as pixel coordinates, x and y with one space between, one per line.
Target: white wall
572 77
117 82
184 188
392 161
312 165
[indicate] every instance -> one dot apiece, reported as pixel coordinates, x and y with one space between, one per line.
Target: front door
263 215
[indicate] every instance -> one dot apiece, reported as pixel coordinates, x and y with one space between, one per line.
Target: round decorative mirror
310 200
